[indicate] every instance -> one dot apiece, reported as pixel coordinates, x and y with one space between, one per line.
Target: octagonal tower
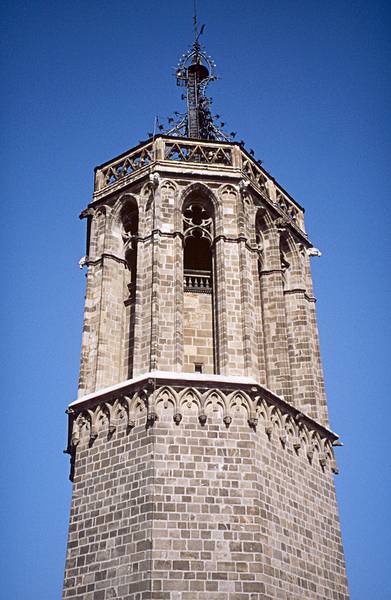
201 456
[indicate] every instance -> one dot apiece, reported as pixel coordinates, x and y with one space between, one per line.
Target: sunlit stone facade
202 460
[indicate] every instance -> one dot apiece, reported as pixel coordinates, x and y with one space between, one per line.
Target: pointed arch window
285 261
129 218
198 235
130 225
198 269
260 227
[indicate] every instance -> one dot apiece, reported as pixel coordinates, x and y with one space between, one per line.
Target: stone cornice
148 395
184 157
216 143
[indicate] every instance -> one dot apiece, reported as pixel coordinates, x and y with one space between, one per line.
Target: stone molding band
103 256
174 234
148 399
302 292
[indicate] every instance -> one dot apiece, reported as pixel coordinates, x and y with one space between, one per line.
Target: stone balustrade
223 155
197 281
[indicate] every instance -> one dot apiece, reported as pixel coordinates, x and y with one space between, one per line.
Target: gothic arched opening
130 224
129 220
285 258
198 227
198 254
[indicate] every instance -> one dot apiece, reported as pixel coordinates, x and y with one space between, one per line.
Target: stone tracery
291 430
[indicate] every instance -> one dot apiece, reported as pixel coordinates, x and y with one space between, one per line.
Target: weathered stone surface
187 486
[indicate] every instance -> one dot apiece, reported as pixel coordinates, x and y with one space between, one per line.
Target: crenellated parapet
204 400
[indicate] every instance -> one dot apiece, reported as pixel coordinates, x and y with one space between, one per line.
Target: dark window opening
198 255
130 221
198 264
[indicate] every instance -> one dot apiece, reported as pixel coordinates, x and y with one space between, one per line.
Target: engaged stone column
110 343
229 308
274 318
142 327
320 395
92 301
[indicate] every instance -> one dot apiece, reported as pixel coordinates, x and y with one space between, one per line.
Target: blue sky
306 84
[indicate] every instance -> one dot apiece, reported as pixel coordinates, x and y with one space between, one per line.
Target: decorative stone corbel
109 409
313 251
93 435
147 392
283 437
323 460
310 453
227 420
337 442
177 418
154 180
130 421
87 212
281 224
253 417
83 262
75 438
244 187
202 418
268 428
296 443
151 417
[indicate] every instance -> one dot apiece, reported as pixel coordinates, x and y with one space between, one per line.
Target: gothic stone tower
202 460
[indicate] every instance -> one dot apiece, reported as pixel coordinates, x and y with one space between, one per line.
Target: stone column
320 394
110 342
299 333
92 303
220 308
165 313
178 303
274 318
143 311
166 282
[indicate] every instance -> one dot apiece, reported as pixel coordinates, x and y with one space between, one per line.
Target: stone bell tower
201 456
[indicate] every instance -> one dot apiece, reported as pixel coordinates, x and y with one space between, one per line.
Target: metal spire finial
195 21
194 72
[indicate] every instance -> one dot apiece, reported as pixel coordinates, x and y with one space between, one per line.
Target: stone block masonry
201 456
198 332
199 492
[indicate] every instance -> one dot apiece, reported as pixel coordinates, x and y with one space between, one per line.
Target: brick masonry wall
201 512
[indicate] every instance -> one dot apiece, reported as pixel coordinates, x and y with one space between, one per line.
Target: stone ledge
148 396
